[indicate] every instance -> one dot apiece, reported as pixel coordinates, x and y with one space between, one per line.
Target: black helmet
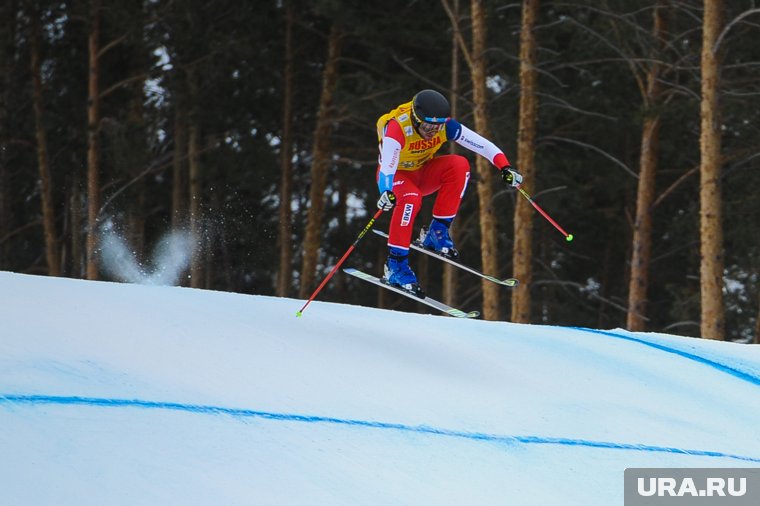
429 106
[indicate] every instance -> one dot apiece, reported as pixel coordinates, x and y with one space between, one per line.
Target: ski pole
345 255
568 237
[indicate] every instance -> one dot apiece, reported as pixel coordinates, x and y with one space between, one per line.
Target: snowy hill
126 394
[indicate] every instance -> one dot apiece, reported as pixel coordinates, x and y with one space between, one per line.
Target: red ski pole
568 237
343 259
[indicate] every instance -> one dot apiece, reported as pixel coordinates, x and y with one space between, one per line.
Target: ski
436 304
417 245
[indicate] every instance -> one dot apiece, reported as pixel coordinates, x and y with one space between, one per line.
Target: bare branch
563 103
417 74
730 25
457 32
686 175
121 83
111 45
19 230
670 189
596 149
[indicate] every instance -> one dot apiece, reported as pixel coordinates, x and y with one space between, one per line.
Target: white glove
387 201
511 176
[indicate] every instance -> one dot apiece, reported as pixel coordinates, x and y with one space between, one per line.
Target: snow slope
126 394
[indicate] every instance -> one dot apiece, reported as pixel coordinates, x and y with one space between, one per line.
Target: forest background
250 126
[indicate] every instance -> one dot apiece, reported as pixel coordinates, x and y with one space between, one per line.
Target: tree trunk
180 190
76 205
93 147
642 227
320 166
757 325
522 251
285 240
482 176
342 211
46 183
484 172
8 16
180 176
5 187
450 273
196 195
137 137
711 232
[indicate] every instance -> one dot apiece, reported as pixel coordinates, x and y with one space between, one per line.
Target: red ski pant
447 174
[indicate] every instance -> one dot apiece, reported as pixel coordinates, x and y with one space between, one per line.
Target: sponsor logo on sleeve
472 143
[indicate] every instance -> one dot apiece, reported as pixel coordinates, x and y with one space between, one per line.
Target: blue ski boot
437 238
399 274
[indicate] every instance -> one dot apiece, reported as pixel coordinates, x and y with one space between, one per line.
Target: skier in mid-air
409 136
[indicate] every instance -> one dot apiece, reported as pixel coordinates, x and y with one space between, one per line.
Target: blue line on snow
742 375
422 429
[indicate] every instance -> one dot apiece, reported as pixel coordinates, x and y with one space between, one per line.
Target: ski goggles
430 128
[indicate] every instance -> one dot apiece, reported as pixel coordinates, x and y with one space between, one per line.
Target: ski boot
437 238
399 274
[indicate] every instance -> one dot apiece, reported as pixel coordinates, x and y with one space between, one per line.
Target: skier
409 136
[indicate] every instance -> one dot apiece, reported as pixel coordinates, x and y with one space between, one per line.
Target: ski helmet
429 106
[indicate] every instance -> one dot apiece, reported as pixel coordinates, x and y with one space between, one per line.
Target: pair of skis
429 301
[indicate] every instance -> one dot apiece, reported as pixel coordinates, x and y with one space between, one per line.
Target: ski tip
299 314
510 282
457 313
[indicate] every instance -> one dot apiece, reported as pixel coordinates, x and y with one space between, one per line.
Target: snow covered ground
122 394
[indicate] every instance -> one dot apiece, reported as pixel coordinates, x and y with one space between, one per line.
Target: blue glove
511 176
387 201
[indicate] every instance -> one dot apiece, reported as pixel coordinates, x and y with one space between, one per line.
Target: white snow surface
125 394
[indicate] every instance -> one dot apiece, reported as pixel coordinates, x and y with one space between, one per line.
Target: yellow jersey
415 150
